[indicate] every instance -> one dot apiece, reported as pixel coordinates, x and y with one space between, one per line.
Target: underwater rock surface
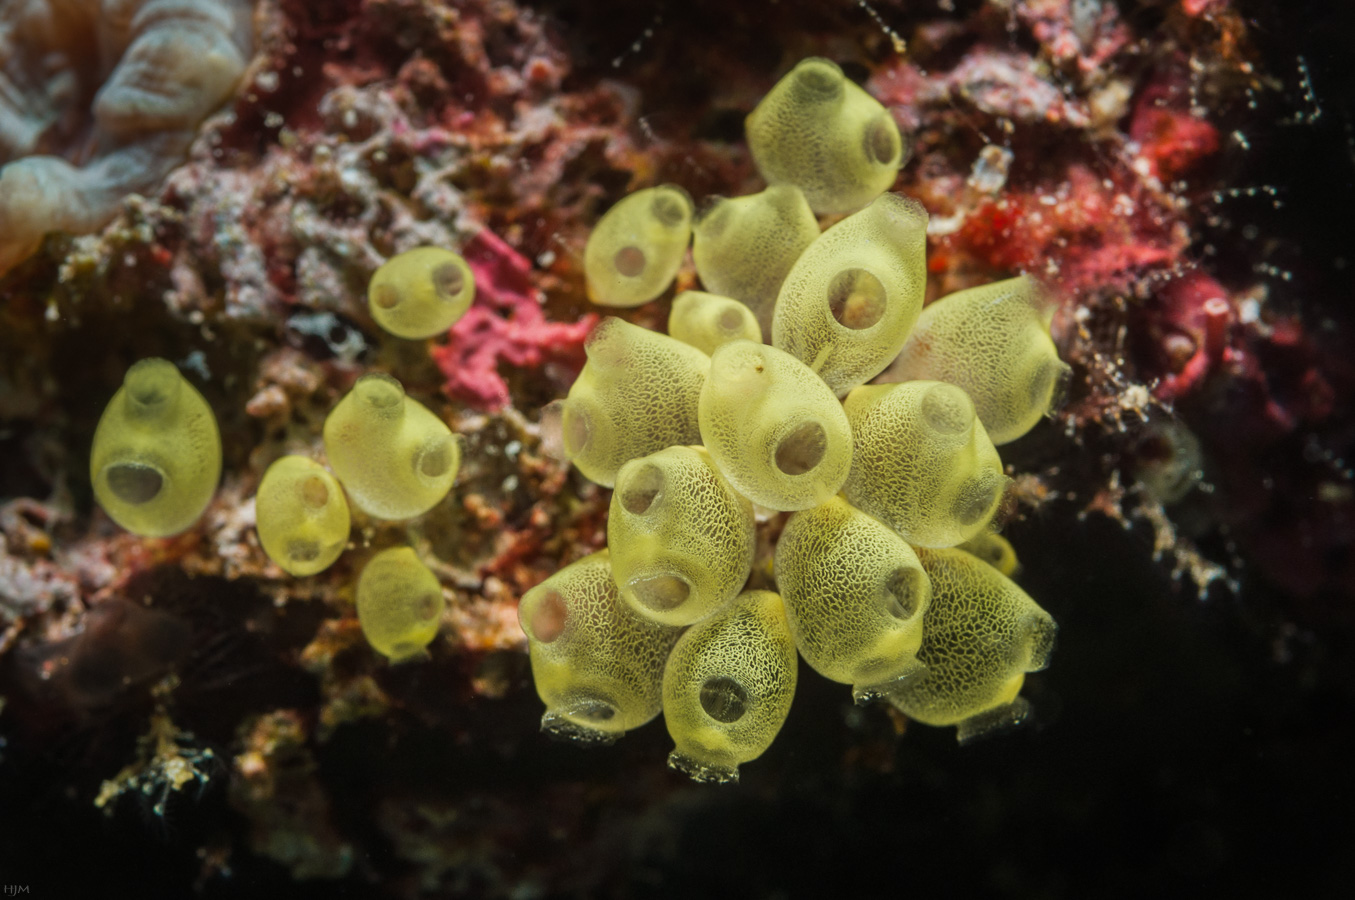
1187 516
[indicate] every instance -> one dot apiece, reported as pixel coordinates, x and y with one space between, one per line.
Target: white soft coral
107 94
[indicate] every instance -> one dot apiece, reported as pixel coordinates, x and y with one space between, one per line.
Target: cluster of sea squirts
889 576
156 460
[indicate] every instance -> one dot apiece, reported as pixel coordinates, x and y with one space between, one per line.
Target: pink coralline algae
1171 138
1203 7
506 326
1090 224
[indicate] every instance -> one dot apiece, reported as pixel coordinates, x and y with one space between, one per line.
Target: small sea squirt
681 538
634 251
396 459
922 462
848 304
597 664
302 516
421 293
773 427
817 130
980 636
400 604
728 687
744 247
636 395
855 596
156 456
993 341
707 321
995 550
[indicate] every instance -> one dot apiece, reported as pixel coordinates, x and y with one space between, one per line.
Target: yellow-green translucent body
156 456
421 293
301 515
995 550
744 247
598 666
994 342
817 130
400 604
728 686
636 395
855 596
847 306
396 459
921 462
637 246
773 427
681 538
705 321
980 635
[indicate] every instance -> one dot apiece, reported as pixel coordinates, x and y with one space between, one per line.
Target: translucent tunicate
728 686
855 596
847 306
980 637
302 515
681 538
598 665
744 247
706 321
636 248
637 395
992 341
156 456
817 130
421 293
921 462
995 550
773 427
400 604
394 456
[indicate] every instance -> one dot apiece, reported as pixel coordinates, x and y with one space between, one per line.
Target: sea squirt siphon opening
134 482
670 208
724 699
881 141
977 498
947 409
435 457
314 493
448 281
857 299
152 385
576 429
661 593
381 392
642 489
1041 635
817 81
802 450
629 262
730 321
548 619
303 550
902 590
